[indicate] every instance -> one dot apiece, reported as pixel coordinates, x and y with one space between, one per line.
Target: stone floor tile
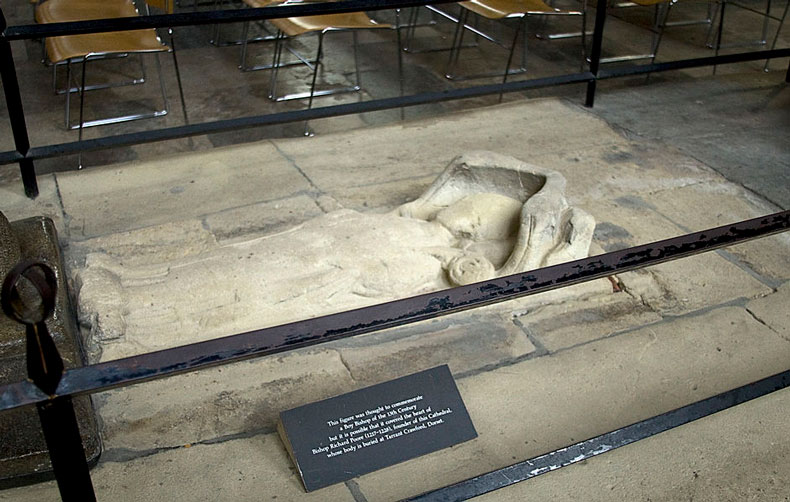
575 322
133 196
235 399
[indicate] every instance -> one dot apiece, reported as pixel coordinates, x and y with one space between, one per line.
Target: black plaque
337 439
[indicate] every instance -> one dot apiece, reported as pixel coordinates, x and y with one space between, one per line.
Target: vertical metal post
15 113
787 76
66 452
595 53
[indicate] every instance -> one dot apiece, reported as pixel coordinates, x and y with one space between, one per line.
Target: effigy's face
484 223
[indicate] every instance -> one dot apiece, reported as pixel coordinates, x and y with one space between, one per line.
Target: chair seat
498 9
76 46
116 42
54 11
293 26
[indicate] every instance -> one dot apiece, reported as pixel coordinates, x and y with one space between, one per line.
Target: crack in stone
756 318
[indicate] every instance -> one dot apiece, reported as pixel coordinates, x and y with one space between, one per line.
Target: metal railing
55 407
25 155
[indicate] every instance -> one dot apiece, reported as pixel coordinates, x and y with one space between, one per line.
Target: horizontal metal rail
176 132
626 71
598 445
220 351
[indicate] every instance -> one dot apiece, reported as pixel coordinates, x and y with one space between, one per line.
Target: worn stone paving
537 373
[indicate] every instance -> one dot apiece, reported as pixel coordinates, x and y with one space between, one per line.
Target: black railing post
45 369
15 113
595 53
62 434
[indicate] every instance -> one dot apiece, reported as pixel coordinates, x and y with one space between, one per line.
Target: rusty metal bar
168 362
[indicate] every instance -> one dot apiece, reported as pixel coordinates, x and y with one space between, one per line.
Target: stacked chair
80 49
291 27
506 9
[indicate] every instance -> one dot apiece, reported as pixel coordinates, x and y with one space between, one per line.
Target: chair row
68 50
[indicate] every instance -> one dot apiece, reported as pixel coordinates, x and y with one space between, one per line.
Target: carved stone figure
486 215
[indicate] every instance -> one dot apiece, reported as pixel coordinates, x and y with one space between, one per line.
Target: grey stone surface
707 123
542 404
730 203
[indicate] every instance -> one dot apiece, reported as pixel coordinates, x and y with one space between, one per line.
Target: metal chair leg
245 33
455 49
318 55
82 107
776 36
661 26
722 5
68 94
278 50
178 78
355 42
519 28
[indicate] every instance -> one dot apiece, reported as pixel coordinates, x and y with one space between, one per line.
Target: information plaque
337 439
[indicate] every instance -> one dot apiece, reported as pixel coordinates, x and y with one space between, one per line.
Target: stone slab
213 403
568 324
465 341
374 158
157 243
131 196
15 205
23 452
612 170
542 404
261 218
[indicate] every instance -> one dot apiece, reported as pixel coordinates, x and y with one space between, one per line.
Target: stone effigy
486 215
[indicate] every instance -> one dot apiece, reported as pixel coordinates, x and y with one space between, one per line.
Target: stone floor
681 152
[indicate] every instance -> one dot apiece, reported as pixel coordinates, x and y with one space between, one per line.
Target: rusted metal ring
46 284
